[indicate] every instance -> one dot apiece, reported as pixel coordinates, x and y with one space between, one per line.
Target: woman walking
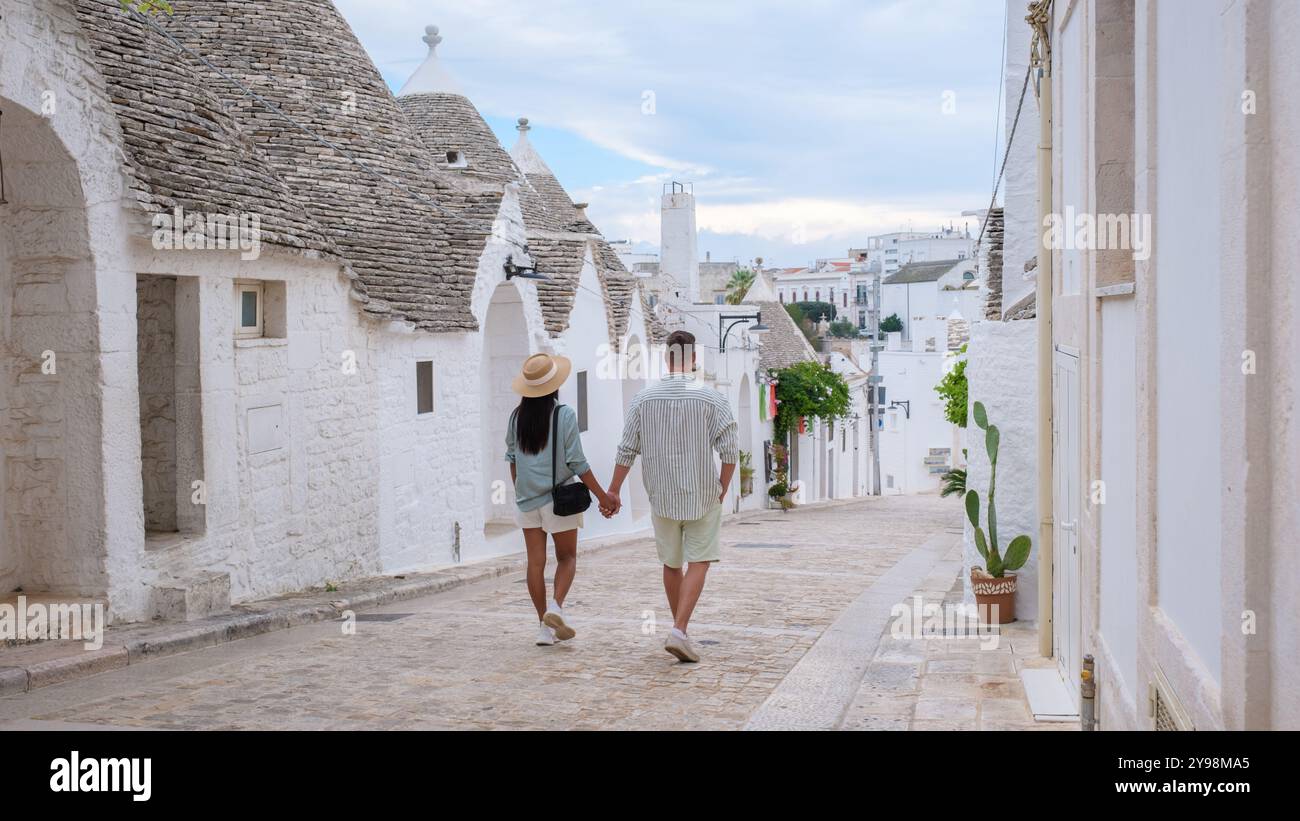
541 459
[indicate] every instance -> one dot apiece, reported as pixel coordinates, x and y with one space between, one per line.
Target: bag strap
555 418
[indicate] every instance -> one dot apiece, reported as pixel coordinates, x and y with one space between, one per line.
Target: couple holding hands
675 426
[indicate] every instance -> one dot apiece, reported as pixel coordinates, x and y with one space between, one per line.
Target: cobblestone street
789 627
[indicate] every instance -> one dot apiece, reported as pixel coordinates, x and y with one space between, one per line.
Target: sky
804 127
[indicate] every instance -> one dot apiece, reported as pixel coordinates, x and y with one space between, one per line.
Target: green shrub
953 389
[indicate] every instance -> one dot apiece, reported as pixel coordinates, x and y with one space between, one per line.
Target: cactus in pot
992 584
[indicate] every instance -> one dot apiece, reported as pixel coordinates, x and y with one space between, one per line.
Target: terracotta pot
999 593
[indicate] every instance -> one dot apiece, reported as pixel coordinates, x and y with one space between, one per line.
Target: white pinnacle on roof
524 155
760 290
430 77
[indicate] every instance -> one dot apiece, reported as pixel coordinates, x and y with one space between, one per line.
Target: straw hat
541 374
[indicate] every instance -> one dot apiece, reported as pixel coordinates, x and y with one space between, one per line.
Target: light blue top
533 470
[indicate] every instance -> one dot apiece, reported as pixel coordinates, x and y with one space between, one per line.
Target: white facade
632 256
1000 375
1173 368
901 247
160 449
1020 176
845 284
918 303
916 442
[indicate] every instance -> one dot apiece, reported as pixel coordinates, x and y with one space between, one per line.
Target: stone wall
288 454
54 319
156 355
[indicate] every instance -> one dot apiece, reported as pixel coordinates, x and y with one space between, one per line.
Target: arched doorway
50 411
636 364
505 347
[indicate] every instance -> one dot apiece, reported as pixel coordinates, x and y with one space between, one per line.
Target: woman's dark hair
533 421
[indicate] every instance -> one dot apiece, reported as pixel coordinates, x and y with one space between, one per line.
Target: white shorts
545 518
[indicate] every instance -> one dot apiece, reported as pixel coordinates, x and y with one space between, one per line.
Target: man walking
676 425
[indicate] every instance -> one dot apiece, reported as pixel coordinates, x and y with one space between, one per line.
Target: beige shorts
545 518
694 540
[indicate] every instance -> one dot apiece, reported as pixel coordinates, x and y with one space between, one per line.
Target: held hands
610 504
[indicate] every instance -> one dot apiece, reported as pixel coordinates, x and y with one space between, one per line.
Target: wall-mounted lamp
735 319
905 404
523 272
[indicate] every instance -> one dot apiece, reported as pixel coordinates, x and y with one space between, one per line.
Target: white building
849 441
901 247
923 291
634 255
845 283
917 444
1168 554
188 423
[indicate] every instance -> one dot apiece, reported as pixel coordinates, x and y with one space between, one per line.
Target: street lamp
522 271
735 319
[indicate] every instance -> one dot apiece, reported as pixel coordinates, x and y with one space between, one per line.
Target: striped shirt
675 425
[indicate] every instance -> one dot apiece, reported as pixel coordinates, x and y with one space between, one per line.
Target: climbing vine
808 390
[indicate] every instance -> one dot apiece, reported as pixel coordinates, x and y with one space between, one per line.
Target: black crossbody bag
574 497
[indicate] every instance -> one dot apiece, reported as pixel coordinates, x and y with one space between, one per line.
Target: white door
1066 635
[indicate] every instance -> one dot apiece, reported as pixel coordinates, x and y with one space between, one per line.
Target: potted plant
781 491
746 474
995 583
783 494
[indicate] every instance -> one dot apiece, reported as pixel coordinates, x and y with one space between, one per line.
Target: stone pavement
793 615
949 683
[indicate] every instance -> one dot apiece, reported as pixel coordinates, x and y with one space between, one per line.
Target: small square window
582 401
423 387
456 159
249 307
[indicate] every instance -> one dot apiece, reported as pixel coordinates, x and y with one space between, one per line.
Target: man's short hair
681 346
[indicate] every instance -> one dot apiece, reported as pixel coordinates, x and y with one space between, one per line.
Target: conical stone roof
367 194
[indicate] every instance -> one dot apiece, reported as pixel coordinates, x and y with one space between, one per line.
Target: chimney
678 255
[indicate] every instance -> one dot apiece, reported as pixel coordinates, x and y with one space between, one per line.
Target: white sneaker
554 619
545 636
681 647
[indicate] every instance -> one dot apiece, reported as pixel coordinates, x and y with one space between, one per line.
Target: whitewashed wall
999 374
587 343
1020 179
913 302
1117 545
1188 314
905 442
63 525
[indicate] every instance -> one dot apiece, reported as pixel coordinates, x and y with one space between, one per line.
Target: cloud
830 115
